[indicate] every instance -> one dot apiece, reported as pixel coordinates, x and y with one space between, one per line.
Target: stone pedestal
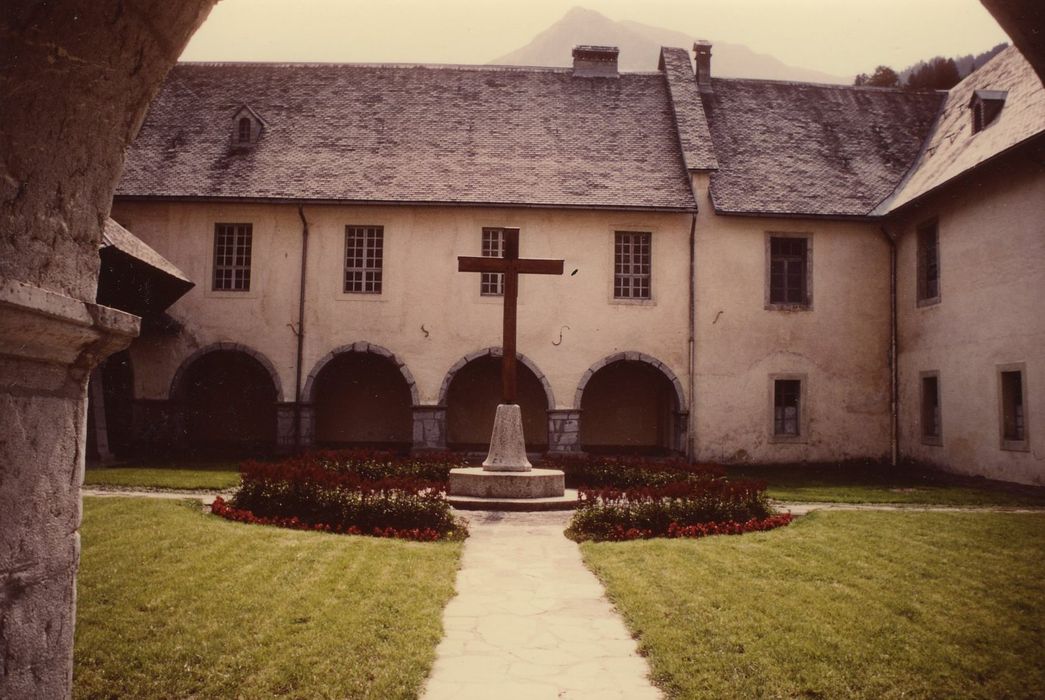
48 344
482 483
507 443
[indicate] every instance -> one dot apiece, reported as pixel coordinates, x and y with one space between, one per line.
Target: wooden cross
512 266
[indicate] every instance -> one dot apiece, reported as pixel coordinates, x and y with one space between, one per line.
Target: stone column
308 426
96 405
564 431
48 344
429 428
285 437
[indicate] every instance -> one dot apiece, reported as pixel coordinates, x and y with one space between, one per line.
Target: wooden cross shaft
512 266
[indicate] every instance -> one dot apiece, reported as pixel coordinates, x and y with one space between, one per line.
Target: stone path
205 497
531 622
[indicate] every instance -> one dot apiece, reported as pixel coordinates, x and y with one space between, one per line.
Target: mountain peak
640 44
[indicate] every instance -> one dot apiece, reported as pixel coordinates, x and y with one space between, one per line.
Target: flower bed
694 505
357 492
629 472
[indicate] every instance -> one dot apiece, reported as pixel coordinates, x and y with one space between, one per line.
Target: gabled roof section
250 111
123 240
695 138
802 149
413 134
953 149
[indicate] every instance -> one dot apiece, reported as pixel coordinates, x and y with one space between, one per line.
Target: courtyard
927 599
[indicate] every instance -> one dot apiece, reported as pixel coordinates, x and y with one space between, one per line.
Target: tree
938 74
883 76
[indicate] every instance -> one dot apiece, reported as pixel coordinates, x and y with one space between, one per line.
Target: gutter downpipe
301 329
691 433
894 387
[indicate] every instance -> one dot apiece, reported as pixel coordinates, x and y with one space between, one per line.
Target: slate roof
692 124
120 238
817 150
412 134
952 149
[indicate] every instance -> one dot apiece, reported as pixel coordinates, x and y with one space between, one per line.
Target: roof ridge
472 67
836 86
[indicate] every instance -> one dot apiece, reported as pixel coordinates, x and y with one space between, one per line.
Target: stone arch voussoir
495 351
631 356
363 347
176 390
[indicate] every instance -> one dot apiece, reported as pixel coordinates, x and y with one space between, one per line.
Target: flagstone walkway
531 622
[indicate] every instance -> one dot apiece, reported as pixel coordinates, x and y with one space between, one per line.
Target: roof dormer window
246 128
986 106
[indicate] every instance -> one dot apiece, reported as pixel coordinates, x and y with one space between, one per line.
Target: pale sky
842 37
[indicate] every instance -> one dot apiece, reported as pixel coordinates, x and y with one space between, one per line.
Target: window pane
632 263
232 256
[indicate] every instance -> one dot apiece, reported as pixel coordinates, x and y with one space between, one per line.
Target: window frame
807 303
233 266
935 439
1005 443
645 235
803 409
493 280
368 266
922 296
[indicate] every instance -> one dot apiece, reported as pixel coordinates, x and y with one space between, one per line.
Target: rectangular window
631 265
491 284
364 255
788 271
1013 408
931 433
928 263
232 247
787 407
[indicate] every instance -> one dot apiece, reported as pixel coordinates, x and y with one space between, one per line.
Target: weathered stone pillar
76 79
96 405
285 437
564 431
681 431
48 345
308 426
429 428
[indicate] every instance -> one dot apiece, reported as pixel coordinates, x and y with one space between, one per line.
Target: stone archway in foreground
76 80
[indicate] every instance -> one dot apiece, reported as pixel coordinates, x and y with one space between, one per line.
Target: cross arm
467 264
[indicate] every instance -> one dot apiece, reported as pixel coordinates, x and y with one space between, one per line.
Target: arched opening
471 402
229 402
118 389
629 407
362 399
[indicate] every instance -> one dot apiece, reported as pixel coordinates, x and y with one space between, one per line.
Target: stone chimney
702 59
595 61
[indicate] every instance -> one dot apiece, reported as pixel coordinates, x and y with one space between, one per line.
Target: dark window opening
244 130
364 259
928 262
1013 425
232 253
631 265
491 284
787 270
787 396
930 407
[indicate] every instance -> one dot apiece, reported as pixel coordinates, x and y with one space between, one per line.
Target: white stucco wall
421 288
840 344
991 312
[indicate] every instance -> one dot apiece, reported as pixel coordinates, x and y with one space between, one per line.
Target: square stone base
536 483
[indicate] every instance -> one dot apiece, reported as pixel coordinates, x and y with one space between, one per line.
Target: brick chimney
702 60
595 61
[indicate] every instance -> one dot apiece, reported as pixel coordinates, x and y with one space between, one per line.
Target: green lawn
857 483
186 475
176 603
841 605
